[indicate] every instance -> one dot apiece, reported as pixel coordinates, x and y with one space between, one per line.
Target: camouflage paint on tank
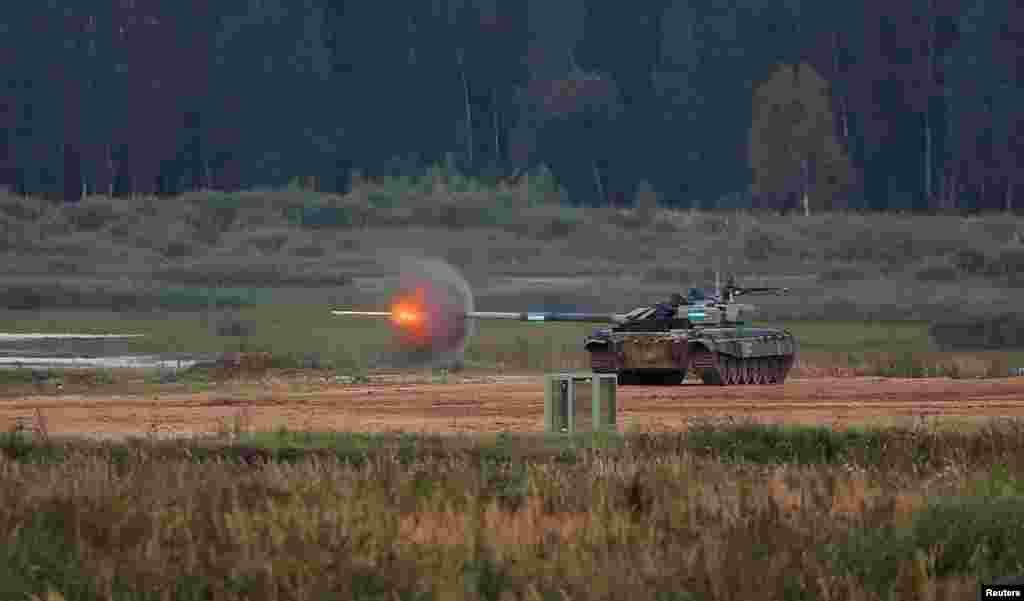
748 342
710 334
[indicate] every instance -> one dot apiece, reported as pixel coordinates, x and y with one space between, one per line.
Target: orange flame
409 314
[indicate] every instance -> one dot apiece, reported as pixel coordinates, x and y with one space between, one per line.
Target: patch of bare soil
490 404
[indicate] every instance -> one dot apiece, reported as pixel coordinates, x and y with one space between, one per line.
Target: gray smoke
448 296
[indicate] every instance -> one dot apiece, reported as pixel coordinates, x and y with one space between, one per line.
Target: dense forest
909 105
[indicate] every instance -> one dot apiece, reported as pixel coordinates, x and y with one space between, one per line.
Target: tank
706 332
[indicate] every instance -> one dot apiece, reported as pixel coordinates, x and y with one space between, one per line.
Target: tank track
726 370
673 378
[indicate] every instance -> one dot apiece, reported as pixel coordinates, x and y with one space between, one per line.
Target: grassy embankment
899 349
291 254
721 512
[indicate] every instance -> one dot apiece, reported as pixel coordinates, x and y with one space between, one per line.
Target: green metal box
579 402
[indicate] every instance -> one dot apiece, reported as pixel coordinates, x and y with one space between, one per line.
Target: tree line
781 104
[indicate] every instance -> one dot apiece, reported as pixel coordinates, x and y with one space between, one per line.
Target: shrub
630 220
663 274
760 246
16 376
936 273
269 244
211 222
713 224
177 249
975 536
970 261
1000 331
776 444
22 297
21 208
91 215
311 251
841 274
555 229
1010 264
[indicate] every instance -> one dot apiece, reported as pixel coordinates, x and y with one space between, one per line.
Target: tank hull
720 356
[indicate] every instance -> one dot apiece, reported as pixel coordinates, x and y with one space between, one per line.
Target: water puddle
126 362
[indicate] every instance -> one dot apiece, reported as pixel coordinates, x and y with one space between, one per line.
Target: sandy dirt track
494 404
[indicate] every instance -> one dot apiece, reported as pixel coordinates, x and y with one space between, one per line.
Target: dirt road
492 405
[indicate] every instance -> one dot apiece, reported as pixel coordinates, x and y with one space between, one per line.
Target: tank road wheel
674 378
712 376
777 372
787 364
729 372
770 370
628 379
763 366
750 371
782 370
739 374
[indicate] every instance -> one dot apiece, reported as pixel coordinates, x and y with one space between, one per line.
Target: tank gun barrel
549 316
734 291
762 290
527 316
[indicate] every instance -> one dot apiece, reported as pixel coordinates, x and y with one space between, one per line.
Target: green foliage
215 200
997 484
997 331
16 376
196 375
325 503
906 365
485 579
439 375
38 559
183 298
406 448
792 123
20 446
982 537
501 474
320 216
779 444
104 377
353 448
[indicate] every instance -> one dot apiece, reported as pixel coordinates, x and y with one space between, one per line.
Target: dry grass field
720 512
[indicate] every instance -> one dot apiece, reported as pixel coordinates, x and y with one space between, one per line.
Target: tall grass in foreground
794 513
